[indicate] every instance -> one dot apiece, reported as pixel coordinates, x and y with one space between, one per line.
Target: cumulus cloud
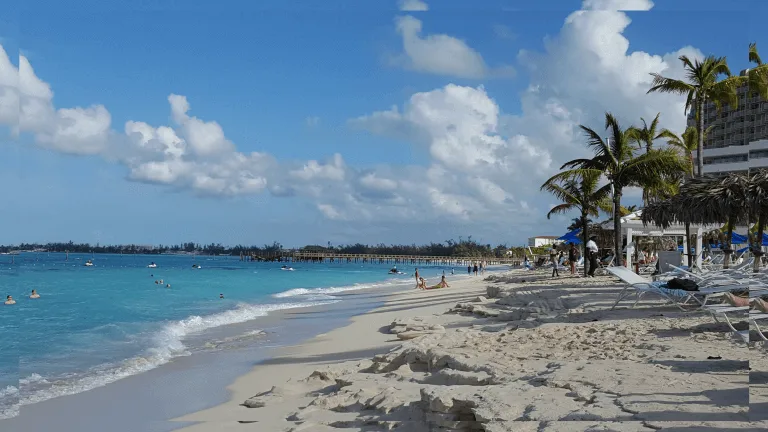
441 54
618 5
413 6
483 169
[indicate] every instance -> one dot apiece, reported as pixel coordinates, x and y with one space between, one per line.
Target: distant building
539 241
738 140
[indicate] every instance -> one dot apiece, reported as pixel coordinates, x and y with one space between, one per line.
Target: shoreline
534 358
202 372
300 360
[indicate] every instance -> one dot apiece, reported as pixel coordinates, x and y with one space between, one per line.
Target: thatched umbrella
663 213
758 196
712 200
705 200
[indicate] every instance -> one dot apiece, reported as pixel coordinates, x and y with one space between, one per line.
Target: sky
337 121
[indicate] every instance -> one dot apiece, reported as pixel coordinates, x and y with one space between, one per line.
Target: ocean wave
166 344
9 402
334 290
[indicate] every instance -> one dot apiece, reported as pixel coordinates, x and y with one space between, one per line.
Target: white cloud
413 6
483 167
313 170
441 54
618 5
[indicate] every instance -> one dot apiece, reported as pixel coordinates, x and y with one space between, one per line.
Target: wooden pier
417 260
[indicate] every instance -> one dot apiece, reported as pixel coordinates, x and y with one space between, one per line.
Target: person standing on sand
592 254
572 258
417 278
553 260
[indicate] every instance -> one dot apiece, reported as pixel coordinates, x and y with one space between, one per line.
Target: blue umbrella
571 237
738 239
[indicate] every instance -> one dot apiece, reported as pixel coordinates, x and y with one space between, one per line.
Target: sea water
94 325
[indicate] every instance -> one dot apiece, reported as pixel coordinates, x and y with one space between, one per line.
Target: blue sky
303 82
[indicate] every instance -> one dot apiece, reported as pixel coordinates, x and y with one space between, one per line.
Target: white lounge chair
680 298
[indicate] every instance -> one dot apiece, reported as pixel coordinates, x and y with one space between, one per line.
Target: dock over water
330 257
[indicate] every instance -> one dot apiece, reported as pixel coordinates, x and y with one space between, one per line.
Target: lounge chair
680 298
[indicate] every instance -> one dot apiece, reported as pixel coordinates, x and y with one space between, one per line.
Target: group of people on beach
10 301
422 284
476 269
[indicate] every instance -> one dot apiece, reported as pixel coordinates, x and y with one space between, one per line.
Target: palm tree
687 144
614 158
757 77
580 193
701 86
648 134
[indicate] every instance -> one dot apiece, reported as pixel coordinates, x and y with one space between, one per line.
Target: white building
539 241
742 158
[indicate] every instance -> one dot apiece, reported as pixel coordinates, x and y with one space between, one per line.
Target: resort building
539 241
738 140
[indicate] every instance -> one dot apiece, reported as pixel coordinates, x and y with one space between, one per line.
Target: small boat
152 265
88 263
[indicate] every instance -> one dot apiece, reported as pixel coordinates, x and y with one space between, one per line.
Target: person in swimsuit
10 301
418 279
34 295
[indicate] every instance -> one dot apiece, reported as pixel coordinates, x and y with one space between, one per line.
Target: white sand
546 355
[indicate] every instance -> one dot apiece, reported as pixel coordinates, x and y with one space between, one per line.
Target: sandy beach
540 354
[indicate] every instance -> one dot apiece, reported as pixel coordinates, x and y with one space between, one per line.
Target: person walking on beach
572 258
417 278
553 260
592 253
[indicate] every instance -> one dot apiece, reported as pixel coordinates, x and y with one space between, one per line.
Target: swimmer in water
157 283
221 295
168 285
34 295
10 301
161 281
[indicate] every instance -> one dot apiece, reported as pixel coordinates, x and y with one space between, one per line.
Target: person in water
168 285
34 295
10 301
221 296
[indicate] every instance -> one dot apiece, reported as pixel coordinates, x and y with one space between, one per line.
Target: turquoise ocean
95 325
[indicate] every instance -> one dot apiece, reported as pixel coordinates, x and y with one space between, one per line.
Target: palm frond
754 57
661 84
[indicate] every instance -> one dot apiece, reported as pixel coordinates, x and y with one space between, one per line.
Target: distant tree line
461 248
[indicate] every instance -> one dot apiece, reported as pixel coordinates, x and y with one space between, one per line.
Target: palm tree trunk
688 243
617 225
584 239
700 126
758 251
728 248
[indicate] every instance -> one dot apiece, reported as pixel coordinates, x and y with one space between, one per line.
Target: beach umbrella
712 200
571 237
758 194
